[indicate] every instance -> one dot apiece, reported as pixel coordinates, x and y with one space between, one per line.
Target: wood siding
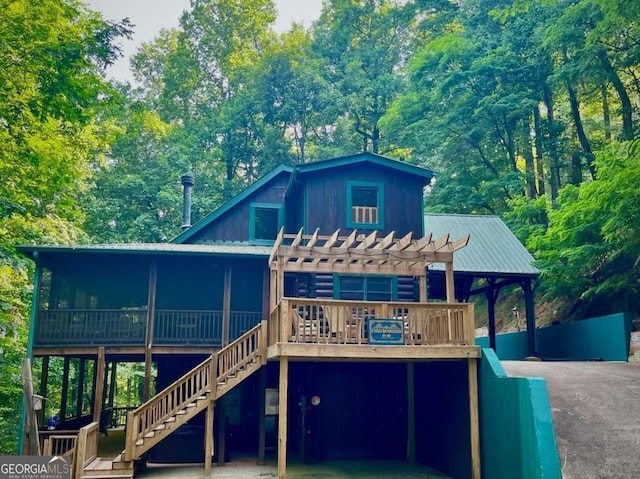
233 225
326 199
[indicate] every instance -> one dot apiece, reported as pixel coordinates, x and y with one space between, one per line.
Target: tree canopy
526 109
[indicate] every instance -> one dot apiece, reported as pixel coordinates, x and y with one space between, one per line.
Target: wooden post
65 388
222 432
32 443
151 312
451 292
226 305
282 417
44 379
531 317
81 374
98 392
262 417
474 418
423 288
411 415
492 296
209 441
112 383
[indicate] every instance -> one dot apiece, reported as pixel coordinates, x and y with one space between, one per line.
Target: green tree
51 58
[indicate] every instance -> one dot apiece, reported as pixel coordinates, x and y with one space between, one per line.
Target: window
365 205
365 288
265 220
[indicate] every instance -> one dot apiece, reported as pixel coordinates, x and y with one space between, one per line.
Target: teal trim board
379 187
252 221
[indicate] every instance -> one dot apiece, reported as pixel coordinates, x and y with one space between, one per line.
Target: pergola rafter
361 254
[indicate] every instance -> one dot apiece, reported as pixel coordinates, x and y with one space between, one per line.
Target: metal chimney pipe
187 184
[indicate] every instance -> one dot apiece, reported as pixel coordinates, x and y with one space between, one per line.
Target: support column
112 383
226 305
411 415
492 296
222 432
282 417
81 374
209 420
98 392
474 425
44 379
65 388
531 317
423 288
262 416
32 443
151 313
449 279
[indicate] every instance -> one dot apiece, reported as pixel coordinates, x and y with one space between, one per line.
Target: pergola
361 254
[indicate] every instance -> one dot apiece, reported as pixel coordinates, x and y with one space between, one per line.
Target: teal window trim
394 285
366 184
252 221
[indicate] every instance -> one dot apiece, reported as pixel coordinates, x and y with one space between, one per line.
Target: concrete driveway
596 414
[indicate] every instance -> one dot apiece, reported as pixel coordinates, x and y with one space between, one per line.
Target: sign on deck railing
386 331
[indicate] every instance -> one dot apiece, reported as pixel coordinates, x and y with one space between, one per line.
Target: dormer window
265 221
365 205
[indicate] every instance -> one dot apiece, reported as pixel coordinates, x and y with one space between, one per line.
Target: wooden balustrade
364 214
166 403
219 368
321 321
86 448
128 326
245 349
91 326
60 445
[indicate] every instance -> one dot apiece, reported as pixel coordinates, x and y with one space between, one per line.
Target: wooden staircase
185 398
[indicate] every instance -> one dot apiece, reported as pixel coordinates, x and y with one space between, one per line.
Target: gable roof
208 219
365 157
493 249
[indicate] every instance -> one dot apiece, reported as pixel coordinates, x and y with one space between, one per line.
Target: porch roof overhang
361 254
219 249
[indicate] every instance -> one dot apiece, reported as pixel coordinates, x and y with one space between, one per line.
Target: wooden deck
339 330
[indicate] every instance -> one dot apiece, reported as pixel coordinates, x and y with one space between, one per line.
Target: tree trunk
537 125
527 153
625 102
582 137
606 114
554 162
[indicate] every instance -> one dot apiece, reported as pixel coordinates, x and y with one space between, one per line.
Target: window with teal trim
365 205
265 220
365 288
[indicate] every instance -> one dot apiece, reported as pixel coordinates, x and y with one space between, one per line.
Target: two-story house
295 319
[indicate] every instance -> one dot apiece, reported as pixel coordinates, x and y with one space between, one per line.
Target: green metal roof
365 157
213 249
493 249
207 220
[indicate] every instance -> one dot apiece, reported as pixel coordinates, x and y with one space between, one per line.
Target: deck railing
212 376
91 326
86 448
128 326
364 214
321 321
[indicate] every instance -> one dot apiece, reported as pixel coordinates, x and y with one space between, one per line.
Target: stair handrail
193 384
166 403
251 345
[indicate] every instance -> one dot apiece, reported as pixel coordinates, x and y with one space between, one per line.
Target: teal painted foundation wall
517 439
603 338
